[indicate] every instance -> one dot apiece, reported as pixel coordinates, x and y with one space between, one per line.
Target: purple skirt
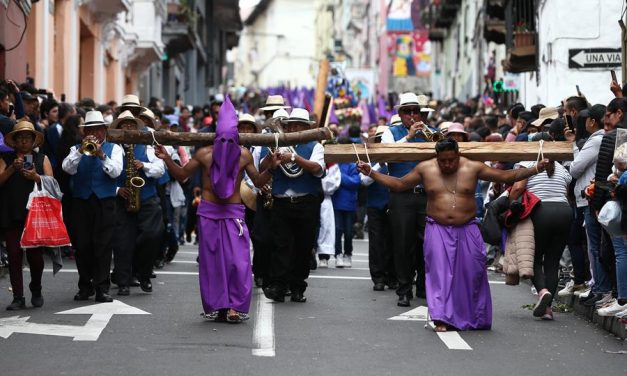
224 257
458 293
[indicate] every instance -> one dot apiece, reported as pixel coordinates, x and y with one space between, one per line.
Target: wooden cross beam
479 151
204 139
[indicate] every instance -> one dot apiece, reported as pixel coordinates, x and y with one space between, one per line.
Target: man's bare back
203 159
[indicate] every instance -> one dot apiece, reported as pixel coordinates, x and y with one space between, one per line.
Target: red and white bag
44 223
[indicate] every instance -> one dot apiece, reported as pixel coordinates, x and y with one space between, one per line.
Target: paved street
343 329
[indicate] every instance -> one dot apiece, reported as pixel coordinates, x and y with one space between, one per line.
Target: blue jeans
344 221
620 253
593 230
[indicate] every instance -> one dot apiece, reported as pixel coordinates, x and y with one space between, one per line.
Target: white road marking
101 314
452 340
263 332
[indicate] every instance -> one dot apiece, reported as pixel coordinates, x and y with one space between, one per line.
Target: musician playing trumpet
93 189
408 209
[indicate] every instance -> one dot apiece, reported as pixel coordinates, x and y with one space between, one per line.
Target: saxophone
134 182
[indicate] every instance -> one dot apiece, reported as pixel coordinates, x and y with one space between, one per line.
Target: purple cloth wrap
458 292
225 272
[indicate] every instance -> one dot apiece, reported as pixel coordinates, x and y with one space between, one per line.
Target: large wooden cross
480 151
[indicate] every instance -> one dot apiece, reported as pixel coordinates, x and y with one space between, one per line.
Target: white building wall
279 60
564 25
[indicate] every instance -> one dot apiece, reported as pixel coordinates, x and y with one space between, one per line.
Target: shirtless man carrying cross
458 294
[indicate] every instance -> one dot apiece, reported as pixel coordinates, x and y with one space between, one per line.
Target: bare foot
232 315
440 327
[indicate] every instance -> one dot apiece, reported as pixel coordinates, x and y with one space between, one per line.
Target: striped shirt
548 189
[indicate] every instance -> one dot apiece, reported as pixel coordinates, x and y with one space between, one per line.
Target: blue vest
377 196
400 169
304 184
91 178
150 189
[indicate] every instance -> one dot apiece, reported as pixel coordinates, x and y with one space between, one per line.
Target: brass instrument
134 182
89 146
428 134
290 169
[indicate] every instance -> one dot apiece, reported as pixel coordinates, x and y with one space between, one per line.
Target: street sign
582 58
100 316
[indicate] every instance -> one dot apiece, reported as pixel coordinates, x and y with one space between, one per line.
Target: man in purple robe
458 294
223 247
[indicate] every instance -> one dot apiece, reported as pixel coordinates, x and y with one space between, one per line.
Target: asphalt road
343 329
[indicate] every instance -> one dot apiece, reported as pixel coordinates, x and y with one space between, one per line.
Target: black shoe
37 300
145 285
134 282
188 238
83 295
590 301
17 304
153 275
379 286
103 297
258 282
392 285
298 297
274 293
403 301
159 264
124 291
590 296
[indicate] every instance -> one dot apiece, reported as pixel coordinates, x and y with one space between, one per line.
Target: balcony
444 12
108 9
146 26
522 55
179 33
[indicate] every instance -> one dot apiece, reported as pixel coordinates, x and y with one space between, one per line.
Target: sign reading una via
579 58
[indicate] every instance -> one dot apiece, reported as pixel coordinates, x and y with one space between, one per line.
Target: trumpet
89 146
428 134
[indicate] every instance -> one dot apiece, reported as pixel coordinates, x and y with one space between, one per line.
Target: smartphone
28 161
11 109
578 91
62 97
613 73
569 122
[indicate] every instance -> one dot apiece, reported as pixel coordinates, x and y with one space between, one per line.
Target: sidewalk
610 324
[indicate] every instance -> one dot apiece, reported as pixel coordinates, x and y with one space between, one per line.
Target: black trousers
407 225
93 224
138 239
294 228
551 226
262 240
380 260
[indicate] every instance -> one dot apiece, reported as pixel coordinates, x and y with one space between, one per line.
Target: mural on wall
408 42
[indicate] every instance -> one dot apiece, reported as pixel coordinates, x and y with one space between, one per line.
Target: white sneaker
323 263
612 310
607 298
571 288
622 314
583 293
348 261
339 261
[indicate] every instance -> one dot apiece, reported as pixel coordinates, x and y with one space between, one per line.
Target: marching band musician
140 228
407 209
94 167
295 213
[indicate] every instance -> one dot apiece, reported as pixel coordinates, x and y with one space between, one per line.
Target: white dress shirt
112 166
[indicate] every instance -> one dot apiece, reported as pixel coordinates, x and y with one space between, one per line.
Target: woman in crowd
551 220
19 171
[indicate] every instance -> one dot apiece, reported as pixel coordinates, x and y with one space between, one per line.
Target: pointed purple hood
226 152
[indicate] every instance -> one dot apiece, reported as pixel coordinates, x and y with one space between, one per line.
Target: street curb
609 324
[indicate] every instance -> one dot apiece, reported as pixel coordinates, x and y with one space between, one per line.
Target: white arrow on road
100 316
452 340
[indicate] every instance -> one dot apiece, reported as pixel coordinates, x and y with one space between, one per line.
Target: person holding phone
19 171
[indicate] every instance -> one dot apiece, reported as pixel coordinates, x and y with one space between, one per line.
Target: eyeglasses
410 111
